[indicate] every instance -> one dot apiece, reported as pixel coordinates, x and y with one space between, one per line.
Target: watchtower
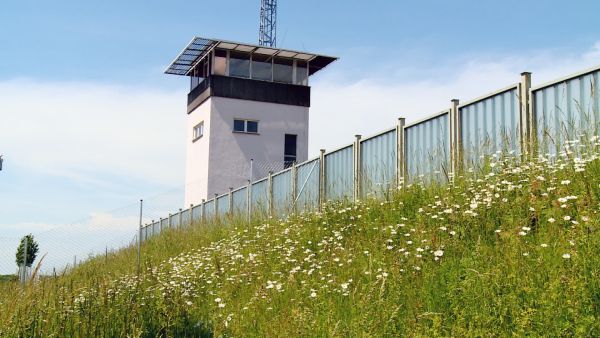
246 102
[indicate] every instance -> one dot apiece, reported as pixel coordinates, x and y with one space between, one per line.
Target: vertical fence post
294 188
179 219
139 244
203 211
169 221
159 225
454 139
215 207
357 171
322 180
527 130
249 201
400 159
191 215
230 201
270 192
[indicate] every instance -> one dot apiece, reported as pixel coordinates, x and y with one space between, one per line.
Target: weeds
509 250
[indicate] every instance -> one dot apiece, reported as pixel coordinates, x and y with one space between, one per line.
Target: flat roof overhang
199 48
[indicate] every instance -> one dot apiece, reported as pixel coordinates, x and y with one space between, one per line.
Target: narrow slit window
290 151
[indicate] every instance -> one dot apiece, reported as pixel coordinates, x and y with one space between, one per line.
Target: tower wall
231 152
196 169
221 158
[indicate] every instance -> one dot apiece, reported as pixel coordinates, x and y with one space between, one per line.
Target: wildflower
567 218
221 305
522 233
544 245
452 233
438 253
551 220
218 300
585 218
313 294
188 303
498 231
525 254
565 182
566 256
344 286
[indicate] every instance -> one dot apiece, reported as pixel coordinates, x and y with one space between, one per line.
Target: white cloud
85 131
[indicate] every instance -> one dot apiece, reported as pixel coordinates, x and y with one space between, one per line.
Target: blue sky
89 123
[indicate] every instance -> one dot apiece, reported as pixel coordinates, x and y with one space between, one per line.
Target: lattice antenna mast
268 23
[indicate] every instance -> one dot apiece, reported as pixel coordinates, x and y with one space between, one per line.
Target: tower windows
245 126
198 131
239 64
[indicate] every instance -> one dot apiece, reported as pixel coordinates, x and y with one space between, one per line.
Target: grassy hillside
511 250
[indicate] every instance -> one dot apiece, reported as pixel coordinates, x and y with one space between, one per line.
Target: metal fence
517 119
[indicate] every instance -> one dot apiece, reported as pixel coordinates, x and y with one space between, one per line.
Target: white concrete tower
246 104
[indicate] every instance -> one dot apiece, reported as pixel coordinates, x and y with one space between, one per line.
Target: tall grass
513 250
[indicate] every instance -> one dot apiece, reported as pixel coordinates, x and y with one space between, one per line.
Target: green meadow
509 249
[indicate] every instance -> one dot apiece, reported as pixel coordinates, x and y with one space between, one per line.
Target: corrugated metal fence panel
260 198
490 125
209 209
223 205
282 192
197 213
240 202
339 173
378 163
307 185
185 217
427 148
175 220
567 109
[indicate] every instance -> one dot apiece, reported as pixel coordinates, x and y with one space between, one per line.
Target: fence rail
517 118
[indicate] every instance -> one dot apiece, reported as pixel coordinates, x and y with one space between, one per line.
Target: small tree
32 250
